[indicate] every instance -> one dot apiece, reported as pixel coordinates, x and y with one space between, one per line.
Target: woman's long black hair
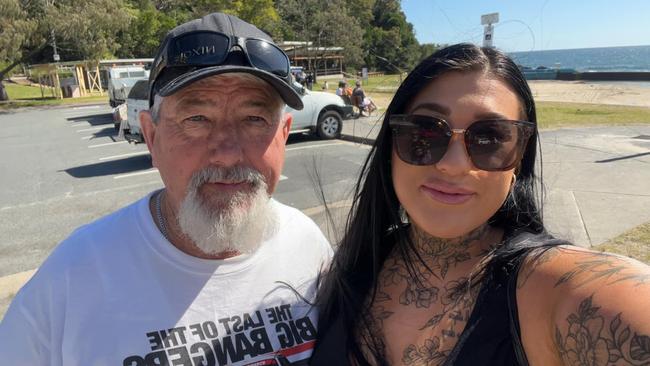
374 225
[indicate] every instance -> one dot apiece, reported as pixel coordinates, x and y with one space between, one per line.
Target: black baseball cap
217 44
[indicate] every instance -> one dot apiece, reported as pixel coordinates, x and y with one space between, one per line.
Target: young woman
445 258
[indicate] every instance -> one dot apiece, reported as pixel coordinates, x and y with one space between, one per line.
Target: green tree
15 30
82 29
391 44
426 49
261 13
87 29
325 24
145 32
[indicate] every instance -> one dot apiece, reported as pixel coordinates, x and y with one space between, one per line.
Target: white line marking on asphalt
92 129
120 176
89 107
357 144
313 146
282 177
108 144
87 137
68 195
124 155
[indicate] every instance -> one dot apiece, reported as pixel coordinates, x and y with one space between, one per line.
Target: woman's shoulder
567 267
590 303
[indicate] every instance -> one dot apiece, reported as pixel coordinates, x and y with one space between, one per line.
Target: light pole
55 56
488 32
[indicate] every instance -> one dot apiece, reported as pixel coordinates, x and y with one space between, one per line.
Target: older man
208 270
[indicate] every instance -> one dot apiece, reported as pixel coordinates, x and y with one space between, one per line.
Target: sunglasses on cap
492 145
209 48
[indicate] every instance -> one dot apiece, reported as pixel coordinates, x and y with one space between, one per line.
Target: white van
120 81
137 100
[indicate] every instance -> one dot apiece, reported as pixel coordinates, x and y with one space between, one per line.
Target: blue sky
532 25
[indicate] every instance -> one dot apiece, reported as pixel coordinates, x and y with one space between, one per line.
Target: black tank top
491 336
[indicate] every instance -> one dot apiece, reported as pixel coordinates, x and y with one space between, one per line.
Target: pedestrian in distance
210 269
445 259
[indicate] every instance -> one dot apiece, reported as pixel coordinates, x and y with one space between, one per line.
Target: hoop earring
513 182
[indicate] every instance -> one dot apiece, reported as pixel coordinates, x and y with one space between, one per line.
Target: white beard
238 222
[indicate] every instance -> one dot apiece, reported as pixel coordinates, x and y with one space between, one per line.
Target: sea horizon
618 58
577 48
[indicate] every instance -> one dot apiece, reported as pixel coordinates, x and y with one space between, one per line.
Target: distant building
325 60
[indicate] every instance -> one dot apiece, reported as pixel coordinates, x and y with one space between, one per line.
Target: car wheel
329 125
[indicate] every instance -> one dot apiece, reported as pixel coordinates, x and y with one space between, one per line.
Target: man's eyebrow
198 102
434 107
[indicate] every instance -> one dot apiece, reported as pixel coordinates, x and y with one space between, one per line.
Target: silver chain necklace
159 215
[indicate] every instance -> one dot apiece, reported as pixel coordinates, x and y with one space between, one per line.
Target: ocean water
632 58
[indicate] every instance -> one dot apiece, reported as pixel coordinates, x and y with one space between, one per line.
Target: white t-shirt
116 292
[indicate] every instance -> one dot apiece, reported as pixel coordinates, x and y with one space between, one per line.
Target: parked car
136 101
323 113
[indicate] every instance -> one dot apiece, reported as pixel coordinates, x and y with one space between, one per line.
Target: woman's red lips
446 193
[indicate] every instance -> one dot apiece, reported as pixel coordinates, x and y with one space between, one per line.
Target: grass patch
386 84
51 101
559 114
634 243
20 92
30 96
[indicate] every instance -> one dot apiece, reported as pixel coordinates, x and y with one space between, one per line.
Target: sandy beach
615 93
618 93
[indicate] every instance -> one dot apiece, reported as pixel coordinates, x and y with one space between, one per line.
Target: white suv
323 113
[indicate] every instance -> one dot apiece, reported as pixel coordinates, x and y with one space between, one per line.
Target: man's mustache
234 174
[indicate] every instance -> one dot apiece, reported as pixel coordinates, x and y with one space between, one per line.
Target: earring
404 218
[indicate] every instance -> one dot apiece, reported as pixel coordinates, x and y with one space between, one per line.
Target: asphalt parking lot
62 168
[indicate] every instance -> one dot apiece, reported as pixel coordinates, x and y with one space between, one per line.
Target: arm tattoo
595 266
536 260
612 269
592 339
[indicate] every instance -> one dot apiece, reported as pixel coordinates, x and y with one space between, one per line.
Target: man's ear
288 118
149 132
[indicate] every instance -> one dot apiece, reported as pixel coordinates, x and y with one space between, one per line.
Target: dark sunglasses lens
424 143
267 57
494 145
199 49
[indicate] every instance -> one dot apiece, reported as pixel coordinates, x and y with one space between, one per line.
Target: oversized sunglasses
492 145
205 48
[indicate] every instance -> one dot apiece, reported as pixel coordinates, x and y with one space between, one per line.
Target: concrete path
597 179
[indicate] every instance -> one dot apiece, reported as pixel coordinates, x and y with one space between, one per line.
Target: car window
140 90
